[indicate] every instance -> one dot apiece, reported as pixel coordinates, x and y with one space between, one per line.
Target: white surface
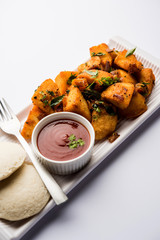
120 201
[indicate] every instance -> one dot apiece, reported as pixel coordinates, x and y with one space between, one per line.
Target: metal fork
10 124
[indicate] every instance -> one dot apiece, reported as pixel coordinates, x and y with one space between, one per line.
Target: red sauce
53 140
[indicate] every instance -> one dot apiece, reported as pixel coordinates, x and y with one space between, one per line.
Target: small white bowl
68 166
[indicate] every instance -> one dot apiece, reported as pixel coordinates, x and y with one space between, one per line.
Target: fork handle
52 186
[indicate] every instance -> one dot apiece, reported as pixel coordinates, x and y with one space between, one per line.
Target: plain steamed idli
12 157
23 194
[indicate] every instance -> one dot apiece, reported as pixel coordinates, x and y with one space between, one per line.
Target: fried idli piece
129 63
35 115
119 94
103 51
113 53
64 80
124 76
81 83
98 77
103 123
93 63
75 102
44 94
146 80
136 107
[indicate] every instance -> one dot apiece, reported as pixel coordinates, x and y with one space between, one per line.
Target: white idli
23 194
12 157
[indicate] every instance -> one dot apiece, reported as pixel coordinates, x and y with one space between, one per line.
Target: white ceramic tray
15 230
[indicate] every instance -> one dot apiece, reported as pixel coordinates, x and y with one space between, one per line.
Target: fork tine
1 119
4 114
7 108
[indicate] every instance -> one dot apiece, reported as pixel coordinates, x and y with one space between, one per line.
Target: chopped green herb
99 102
107 81
70 79
45 102
44 97
110 110
130 52
91 94
72 137
92 85
56 100
67 91
80 142
96 108
73 143
50 92
93 74
143 84
94 117
41 92
97 54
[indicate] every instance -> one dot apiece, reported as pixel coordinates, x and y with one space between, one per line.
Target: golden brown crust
108 77
146 79
35 115
130 63
136 107
64 80
93 63
103 123
44 94
119 94
97 78
124 76
104 49
75 102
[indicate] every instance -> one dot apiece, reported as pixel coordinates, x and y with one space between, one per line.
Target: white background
38 39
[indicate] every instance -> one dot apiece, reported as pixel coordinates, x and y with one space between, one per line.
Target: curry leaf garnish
44 96
110 110
70 79
67 91
93 74
91 94
97 54
75 143
96 108
56 100
143 84
50 92
91 86
45 102
130 52
107 81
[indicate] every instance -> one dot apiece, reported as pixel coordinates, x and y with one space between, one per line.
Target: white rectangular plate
15 230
